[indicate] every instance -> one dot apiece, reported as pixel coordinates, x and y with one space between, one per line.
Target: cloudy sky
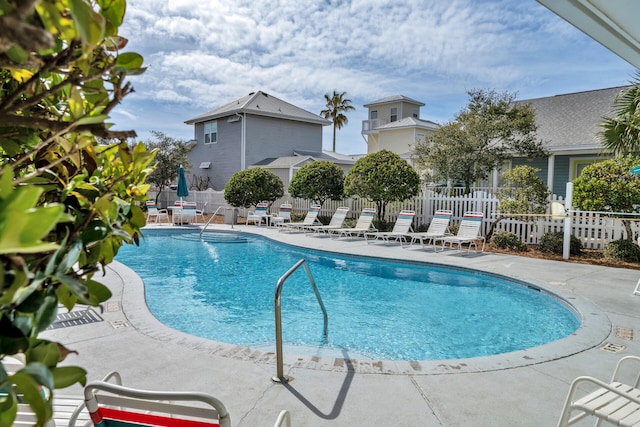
203 54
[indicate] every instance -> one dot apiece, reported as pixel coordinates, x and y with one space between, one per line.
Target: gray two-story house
248 130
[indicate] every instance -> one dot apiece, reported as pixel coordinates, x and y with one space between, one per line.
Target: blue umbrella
183 191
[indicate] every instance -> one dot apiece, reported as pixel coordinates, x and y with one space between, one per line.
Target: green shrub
553 242
383 225
324 219
622 250
506 240
350 223
298 216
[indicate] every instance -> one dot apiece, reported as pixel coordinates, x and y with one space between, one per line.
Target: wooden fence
593 229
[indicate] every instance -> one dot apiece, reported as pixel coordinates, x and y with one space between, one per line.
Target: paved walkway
524 388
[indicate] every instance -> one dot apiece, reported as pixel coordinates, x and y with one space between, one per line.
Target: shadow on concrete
340 398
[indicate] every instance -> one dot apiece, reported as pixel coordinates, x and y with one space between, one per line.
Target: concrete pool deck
525 388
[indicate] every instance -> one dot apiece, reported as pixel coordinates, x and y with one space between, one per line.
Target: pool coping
594 330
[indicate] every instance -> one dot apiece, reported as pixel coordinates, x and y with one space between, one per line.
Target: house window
415 113
578 165
211 132
374 114
394 114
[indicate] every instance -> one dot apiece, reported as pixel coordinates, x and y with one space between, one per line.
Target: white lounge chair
284 215
364 225
337 220
437 228
468 232
401 228
258 214
310 219
112 404
155 213
66 409
615 402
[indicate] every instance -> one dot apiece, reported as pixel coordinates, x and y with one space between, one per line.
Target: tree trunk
627 228
492 228
334 137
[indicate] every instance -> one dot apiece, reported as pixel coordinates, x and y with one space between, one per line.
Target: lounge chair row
469 230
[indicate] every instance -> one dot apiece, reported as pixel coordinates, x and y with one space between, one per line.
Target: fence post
568 206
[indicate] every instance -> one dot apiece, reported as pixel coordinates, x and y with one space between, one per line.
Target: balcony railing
369 126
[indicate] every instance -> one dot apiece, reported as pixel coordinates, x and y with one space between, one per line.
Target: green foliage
488 131
622 250
318 181
170 154
251 186
505 240
608 186
382 177
67 202
522 193
553 243
621 133
337 105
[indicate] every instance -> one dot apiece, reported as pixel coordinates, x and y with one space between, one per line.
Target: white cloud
204 54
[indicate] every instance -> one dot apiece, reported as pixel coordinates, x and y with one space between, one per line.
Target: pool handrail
280 377
213 216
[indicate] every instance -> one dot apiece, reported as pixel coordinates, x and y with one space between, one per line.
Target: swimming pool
222 289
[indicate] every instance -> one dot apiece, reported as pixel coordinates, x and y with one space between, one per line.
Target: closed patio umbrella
183 191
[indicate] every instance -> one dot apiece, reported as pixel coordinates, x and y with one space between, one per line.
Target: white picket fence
593 229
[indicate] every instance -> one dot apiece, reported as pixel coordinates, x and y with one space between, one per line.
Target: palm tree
621 134
337 105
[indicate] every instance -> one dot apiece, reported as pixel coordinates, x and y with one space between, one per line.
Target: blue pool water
222 288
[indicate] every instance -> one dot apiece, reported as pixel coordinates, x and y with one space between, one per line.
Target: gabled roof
572 120
328 155
393 99
261 104
283 162
409 122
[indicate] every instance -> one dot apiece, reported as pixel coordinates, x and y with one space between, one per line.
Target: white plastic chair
468 232
364 225
259 213
200 212
154 212
437 228
401 228
284 215
615 402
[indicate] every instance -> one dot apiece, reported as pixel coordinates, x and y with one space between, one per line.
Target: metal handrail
280 377
212 217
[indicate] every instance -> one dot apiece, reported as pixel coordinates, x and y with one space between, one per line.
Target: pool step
212 237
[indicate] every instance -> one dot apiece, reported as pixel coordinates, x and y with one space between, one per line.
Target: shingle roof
263 104
328 155
572 121
392 99
410 122
282 162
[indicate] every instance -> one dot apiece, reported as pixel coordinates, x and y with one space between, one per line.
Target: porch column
551 163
